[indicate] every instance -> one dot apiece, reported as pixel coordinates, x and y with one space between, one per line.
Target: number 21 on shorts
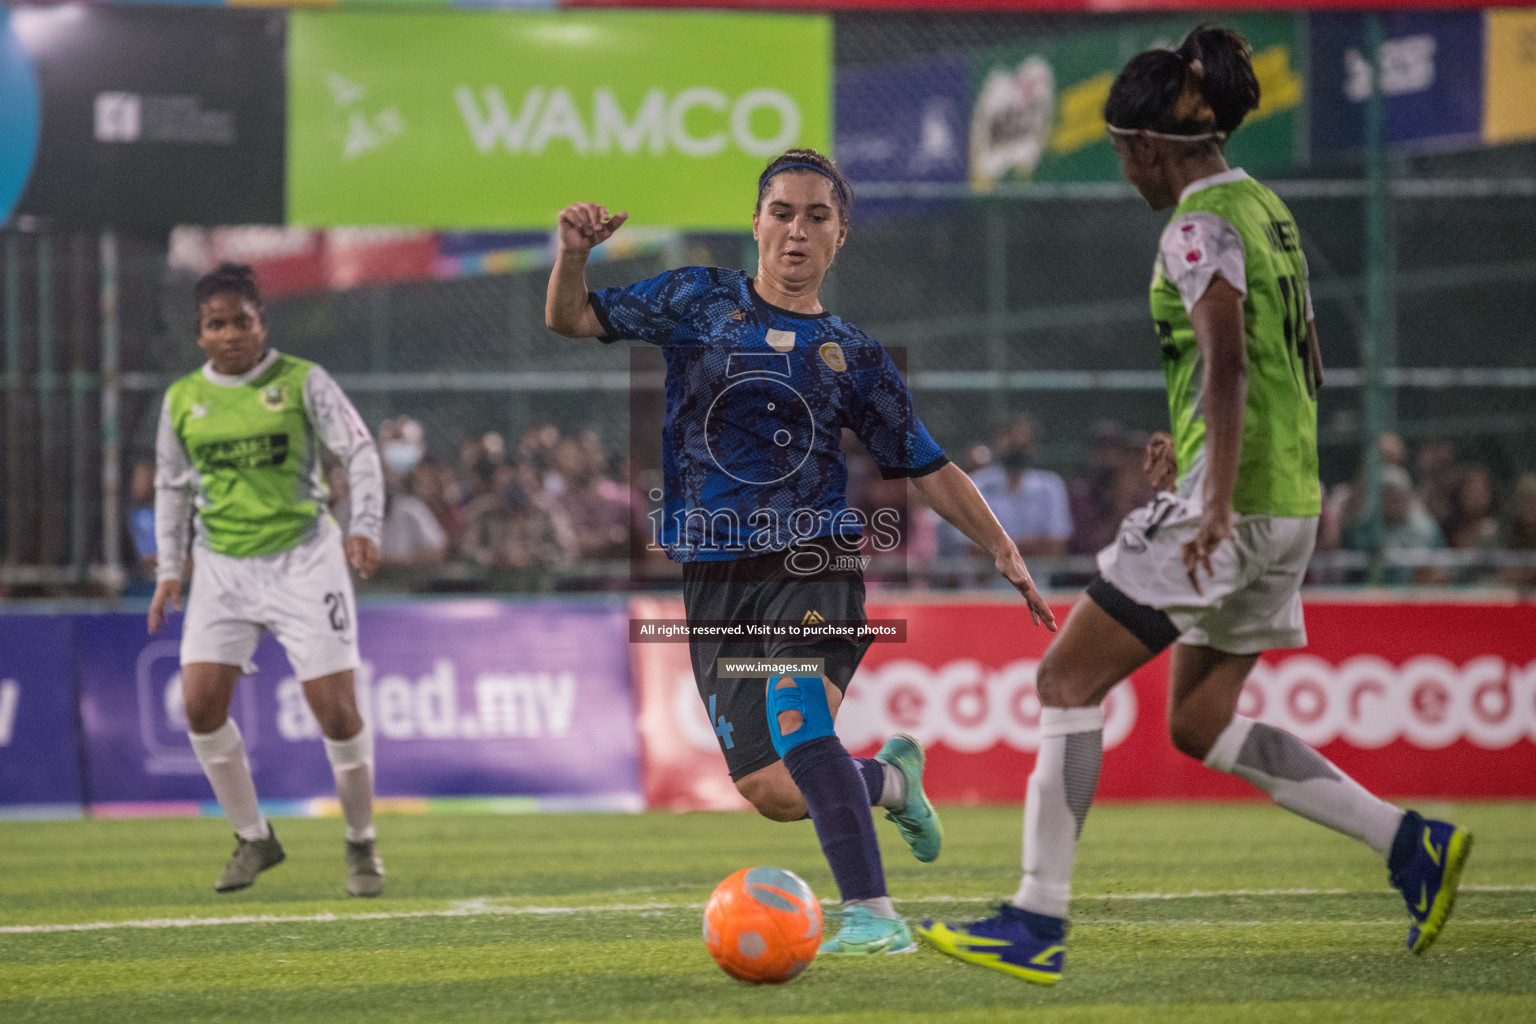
336 610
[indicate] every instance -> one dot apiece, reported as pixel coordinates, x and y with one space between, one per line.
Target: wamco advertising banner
1038 110
139 117
471 119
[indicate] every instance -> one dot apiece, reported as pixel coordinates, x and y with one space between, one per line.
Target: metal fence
1029 302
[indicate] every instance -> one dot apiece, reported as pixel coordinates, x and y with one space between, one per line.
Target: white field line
484 908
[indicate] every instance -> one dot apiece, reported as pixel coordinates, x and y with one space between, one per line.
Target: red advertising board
1426 700
681 764
290 260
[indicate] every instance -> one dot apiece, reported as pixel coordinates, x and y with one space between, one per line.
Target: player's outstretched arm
951 494
581 227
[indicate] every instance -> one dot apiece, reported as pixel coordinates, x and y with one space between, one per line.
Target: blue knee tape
807 696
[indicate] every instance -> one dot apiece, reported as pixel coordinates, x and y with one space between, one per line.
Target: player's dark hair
812 163
227 277
1206 85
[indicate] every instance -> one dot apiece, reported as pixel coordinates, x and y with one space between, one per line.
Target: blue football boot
1426 862
1017 942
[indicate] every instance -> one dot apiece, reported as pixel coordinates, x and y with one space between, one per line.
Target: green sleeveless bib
259 489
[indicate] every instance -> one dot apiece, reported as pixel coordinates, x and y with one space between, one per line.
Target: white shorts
1252 600
302 596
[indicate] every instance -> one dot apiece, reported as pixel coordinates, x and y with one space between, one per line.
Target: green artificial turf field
1182 915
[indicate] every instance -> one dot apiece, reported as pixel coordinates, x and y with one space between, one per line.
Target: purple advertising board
39 737
466 699
1431 79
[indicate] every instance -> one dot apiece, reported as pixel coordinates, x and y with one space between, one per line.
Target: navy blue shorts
762 589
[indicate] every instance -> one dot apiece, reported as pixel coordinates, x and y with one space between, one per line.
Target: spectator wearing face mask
1030 503
411 533
510 523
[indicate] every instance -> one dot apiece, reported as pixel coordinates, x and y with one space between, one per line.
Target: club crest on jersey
199 410
274 398
832 355
781 341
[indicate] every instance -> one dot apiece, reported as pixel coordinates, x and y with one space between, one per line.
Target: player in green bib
238 451
1213 567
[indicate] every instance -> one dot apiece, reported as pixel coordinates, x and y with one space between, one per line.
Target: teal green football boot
865 933
918 821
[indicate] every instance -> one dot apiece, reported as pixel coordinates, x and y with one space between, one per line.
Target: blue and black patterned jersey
757 398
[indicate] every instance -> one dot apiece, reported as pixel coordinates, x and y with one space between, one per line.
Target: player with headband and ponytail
761 382
1213 567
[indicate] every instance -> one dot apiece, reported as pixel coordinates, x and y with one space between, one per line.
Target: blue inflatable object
20 116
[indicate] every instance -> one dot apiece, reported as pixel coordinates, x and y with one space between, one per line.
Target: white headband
1149 133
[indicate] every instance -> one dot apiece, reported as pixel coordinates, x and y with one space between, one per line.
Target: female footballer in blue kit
761 381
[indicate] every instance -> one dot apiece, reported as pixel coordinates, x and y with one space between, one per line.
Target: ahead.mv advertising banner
476 119
466 698
39 733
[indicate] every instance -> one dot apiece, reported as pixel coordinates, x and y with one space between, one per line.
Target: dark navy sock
1405 845
874 777
1043 926
838 802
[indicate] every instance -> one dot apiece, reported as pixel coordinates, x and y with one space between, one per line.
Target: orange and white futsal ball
762 925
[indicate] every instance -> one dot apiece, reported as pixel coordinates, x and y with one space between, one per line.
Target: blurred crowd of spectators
488 514
548 504
562 507
1433 500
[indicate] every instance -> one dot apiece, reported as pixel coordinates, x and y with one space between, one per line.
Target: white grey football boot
251 858
365 868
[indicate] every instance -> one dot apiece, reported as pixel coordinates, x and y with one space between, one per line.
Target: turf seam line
483 908
1217 893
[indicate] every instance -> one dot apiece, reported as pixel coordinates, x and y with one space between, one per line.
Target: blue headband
836 185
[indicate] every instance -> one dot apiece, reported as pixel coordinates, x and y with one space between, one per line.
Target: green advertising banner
1038 110
495 120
